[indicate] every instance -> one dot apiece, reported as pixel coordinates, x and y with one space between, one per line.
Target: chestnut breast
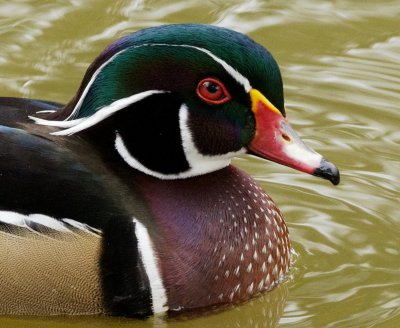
219 238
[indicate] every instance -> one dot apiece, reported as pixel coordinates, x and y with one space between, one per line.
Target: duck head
182 100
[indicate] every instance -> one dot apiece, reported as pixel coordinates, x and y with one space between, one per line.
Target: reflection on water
262 312
341 67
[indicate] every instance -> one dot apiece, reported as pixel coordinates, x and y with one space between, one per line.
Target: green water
341 66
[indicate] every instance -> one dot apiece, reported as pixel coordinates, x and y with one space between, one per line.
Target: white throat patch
198 163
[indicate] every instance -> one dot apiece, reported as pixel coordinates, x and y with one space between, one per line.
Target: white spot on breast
269 244
263 267
255 255
231 295
236 271
267 280
249 267
264 250
227 273
275 270
250 288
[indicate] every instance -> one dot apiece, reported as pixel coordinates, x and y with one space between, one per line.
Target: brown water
341 66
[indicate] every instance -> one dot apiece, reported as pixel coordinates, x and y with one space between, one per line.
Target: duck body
123 201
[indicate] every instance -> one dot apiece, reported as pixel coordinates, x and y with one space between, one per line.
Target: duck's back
57 201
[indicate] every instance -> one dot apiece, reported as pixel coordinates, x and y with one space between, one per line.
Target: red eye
212 91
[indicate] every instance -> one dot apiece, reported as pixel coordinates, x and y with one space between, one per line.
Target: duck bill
277 141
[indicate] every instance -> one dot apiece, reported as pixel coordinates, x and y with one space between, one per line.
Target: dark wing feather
60 207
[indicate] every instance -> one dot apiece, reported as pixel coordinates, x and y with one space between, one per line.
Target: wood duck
124 202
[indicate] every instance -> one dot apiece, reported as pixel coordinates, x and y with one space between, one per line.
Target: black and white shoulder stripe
17 223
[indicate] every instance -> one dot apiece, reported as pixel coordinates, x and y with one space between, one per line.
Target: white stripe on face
74 126
150 262
87 88
229 69
103 113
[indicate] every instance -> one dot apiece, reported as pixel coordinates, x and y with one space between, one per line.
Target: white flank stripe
23 221
105 112
81 226
149 259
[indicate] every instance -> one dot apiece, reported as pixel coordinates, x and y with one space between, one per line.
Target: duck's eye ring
212 91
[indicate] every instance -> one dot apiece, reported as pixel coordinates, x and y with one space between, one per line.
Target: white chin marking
199 164
150 263
130 160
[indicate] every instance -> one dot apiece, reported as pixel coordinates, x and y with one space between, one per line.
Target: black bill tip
329 171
